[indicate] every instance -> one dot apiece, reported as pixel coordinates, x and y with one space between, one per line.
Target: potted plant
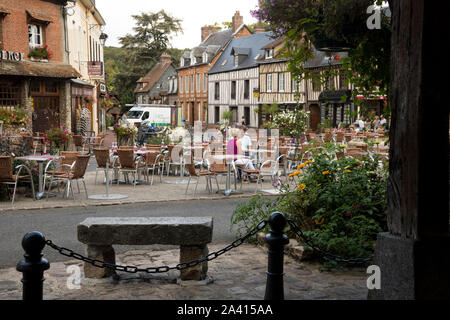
58 138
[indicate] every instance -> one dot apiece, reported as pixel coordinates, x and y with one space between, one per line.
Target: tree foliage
140 51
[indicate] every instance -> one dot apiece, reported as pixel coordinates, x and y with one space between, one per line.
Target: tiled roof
38 69
153 76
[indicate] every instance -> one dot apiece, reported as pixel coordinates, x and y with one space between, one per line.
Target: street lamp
103 37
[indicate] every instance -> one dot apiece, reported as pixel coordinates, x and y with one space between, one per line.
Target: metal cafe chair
8 178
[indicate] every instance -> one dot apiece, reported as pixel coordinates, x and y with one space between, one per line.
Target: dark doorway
314 116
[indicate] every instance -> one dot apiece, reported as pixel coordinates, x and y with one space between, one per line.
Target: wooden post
414 257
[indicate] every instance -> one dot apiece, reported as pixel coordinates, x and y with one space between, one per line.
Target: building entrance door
46 104
314 116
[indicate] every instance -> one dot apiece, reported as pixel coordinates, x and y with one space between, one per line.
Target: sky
194 15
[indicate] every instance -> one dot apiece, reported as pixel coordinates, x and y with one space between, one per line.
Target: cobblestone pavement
238 275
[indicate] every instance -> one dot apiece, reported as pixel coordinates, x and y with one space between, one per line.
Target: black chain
183 265
300 234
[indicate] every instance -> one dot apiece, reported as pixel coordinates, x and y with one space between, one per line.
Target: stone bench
191 234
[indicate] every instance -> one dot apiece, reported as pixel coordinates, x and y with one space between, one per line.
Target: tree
342 23
141 50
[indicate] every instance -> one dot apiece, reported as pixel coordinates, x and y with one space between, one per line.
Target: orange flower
326 172
301 187
296 173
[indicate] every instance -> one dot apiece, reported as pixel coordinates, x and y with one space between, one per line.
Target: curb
126 202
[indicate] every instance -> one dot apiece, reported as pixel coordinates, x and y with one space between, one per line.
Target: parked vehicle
157 115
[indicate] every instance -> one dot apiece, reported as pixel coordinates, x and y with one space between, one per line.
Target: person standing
243 122
246 142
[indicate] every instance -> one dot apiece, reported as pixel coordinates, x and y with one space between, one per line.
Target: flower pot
38 60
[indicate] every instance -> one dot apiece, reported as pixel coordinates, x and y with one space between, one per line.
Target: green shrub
340 204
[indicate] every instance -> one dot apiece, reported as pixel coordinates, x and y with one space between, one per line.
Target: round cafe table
229 159
41 160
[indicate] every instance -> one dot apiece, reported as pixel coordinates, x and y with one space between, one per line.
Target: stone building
195 63
41 86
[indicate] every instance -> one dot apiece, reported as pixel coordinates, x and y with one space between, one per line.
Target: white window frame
295 85
281 82
205 57
186 84
269 83
35 31
205 82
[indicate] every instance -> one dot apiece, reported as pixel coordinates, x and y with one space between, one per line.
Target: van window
145 116
134 114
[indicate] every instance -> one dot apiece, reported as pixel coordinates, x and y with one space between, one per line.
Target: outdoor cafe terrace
147 173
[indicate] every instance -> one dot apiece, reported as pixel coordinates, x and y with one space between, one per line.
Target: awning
38 69
335 96
39 16
82 83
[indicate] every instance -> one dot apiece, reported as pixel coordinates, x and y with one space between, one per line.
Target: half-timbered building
276 84
233 79
195 63
329 99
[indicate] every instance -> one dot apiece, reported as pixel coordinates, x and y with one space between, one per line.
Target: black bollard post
276 240
33 266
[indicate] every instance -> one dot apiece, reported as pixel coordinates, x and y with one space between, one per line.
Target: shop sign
12 56
95 68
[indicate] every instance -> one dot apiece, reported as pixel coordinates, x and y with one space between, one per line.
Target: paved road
59 225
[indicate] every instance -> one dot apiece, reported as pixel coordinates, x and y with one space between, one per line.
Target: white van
157 115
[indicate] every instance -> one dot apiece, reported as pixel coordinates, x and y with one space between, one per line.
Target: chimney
165 58
207 30
237 20
259 28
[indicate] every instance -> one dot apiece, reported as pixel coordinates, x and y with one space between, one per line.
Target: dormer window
204 57
181 62
236 60
269 53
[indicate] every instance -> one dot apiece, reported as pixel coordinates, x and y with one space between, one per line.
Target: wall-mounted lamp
103 38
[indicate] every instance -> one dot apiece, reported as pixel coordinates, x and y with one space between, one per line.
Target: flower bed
340 204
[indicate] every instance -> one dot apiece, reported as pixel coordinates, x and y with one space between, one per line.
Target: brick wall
15 26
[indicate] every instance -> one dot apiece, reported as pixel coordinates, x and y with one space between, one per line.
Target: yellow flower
308 162
326 172
321 221
301 187
296 173
347 171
